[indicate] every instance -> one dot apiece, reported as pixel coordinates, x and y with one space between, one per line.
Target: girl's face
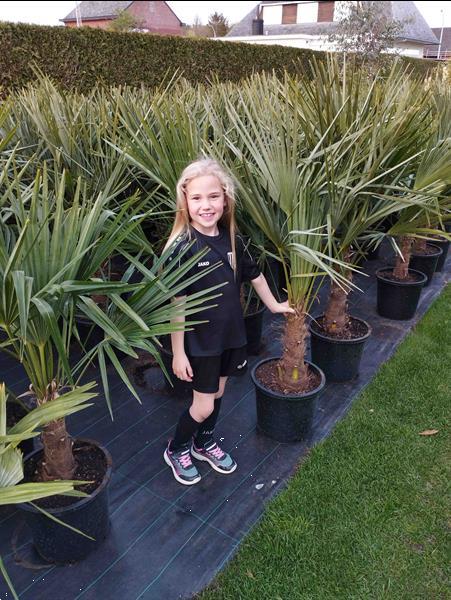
206 202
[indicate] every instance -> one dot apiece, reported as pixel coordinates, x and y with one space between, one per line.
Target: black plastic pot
285 418
60 545
179 388
426 263
398 299
339 359
444 245
254 323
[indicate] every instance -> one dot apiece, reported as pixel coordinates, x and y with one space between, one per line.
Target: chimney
257 23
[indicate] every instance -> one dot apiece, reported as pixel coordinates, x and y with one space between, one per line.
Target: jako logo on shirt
203 264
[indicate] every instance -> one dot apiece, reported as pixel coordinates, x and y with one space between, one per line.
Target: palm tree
386 120
50 260
281 185
75 131
11 459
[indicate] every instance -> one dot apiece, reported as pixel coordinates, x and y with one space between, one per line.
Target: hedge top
81 59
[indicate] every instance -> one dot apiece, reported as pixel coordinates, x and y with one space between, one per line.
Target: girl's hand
284 308
181 367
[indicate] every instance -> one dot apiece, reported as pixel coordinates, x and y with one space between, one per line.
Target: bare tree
366 28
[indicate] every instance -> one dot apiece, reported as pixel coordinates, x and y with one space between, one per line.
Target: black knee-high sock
206 429
186 428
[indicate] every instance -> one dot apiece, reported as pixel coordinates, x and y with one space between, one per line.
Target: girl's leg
204 447
202 406
207 427
202 409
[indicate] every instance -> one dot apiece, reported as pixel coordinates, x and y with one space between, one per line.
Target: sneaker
215 457
182 467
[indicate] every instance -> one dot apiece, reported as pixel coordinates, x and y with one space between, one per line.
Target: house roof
97 10
446 40
415 29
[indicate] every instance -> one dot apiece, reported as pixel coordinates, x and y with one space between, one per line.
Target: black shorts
208 369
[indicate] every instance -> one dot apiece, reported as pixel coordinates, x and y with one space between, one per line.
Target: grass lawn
365 516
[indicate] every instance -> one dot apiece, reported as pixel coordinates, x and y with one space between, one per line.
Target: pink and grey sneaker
215 457
181 464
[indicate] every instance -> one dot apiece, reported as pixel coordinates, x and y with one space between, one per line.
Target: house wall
157 17
272 15
307 12
97 23
316 42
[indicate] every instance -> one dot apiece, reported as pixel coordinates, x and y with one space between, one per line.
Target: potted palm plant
49 258
399 288
12 491
281 188
374 123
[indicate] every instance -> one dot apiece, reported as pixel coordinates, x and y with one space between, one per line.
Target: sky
436 14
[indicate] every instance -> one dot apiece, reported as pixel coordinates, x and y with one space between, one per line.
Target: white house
307 24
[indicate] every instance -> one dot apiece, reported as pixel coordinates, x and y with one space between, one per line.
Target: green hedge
83 58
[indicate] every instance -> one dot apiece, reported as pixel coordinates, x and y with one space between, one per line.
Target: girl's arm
261 286
180 363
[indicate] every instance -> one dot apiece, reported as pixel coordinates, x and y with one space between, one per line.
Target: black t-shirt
225 327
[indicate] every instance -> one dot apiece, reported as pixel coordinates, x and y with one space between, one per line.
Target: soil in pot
398 298
59 544
339 354
426 261
267 375
280 416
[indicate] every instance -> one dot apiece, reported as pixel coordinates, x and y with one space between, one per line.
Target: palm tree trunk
59 462
293 372
420 246
401 269
336 314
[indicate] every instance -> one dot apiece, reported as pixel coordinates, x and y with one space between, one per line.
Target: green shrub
84 58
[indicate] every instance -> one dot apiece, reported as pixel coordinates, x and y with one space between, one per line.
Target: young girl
214 350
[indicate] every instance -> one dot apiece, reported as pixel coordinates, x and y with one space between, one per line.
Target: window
289 13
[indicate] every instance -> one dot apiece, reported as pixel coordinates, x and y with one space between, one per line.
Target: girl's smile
206 203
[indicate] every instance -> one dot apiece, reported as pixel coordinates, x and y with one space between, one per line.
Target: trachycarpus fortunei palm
281 186
388 119
49 258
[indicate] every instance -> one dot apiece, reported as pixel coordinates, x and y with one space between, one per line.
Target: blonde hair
201 168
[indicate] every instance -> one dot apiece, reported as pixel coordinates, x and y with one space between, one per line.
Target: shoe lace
217 452
185 460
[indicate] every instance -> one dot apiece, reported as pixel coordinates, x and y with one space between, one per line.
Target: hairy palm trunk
58 462
420 246
336 314
401 269
293 372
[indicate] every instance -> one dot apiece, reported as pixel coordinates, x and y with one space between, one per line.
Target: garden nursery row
325 168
